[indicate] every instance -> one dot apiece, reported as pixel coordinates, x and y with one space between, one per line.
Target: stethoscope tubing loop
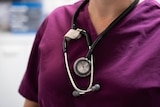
71 78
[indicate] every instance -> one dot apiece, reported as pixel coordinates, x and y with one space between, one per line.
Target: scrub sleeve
29 84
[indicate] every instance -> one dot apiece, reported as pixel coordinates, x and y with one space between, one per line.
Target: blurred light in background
25 16
19 20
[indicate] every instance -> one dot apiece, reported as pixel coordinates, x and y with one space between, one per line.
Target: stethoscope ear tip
75 93
96 87
73 34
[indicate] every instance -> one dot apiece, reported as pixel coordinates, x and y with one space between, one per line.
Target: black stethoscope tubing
116 21
73 24
91 46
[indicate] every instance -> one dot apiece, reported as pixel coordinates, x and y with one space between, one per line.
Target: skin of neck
107 8
103 12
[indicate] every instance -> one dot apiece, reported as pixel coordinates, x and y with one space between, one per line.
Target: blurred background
19 20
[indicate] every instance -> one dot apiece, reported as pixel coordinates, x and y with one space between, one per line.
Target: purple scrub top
126 61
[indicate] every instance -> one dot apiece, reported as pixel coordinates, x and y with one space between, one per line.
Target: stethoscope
84 67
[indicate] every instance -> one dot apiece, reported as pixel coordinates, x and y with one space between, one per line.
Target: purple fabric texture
126 61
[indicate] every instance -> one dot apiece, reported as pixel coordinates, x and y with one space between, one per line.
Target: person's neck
103 12
107 8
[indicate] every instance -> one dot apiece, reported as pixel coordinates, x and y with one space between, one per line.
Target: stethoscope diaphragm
82 67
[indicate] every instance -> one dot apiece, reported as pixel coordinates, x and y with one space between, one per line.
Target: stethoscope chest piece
82 67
